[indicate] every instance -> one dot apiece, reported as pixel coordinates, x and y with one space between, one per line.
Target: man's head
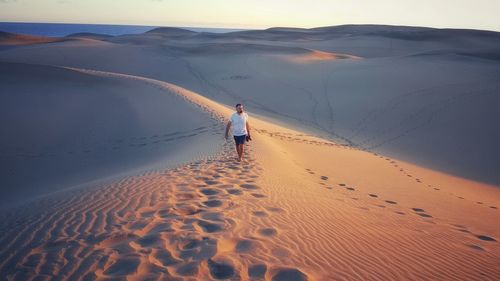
239 108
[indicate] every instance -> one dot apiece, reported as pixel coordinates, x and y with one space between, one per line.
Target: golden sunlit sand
298 208
315 55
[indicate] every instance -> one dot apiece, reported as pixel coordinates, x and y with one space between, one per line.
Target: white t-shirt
239 122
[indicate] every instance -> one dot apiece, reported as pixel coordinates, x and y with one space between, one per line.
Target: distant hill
172 31
89 35
351 30
7 38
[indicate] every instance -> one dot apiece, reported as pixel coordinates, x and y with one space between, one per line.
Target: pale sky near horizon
477 14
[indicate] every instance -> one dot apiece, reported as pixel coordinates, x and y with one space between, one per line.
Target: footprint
324 178
475 247
418 210
257 195
150 240
147 214
289 274
165 258
213 216
209 191
274 209
260 214
424 215
373 195
350 188
186 196
234 191
257 270
391 202
245 245
486 238
209 227
220 270
249 186
188 269
190 244
341 184
268 231
213 203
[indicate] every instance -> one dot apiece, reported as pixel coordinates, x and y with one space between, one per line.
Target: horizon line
248 28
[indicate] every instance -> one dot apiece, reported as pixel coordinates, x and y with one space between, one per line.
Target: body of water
63 29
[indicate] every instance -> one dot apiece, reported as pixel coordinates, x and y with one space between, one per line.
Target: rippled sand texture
159 225
298 208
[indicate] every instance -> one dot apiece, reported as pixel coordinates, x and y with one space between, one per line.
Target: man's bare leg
242 150
239 149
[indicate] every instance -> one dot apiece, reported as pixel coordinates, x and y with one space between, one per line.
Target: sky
258 14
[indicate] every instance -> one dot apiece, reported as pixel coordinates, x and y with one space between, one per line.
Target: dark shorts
240 139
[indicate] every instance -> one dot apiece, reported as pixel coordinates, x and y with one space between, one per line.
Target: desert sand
367 162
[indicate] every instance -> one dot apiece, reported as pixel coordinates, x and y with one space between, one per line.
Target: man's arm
248 130
227 129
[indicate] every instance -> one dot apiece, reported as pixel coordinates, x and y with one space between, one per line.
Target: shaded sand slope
427 96
61 128
298 208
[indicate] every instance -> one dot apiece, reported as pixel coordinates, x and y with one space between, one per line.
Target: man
241 129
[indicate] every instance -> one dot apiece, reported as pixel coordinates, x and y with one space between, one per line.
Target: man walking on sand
241 129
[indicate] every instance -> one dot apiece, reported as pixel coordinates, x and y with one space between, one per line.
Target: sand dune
172 31
431 101
299 208
11 40
95 36
67 128
7 38
374 156
315 56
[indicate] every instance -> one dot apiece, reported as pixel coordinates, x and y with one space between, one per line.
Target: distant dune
172 31
7 38
90 35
